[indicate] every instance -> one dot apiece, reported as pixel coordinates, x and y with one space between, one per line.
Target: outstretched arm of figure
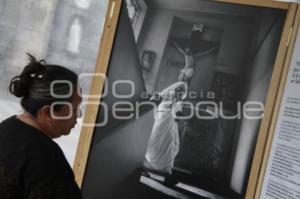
201 54
178 47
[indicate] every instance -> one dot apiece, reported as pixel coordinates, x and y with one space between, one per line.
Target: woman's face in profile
66 116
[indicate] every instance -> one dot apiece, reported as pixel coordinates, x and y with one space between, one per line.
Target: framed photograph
196 123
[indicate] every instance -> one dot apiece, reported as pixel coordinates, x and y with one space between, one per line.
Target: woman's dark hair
33 85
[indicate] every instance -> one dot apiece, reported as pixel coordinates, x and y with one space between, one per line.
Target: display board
187 100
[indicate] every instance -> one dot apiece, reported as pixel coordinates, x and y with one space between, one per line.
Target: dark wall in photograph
258 78
119 147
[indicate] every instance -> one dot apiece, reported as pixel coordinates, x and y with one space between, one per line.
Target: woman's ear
45 113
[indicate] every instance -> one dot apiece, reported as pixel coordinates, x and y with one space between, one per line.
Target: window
74 37
84 4
134 10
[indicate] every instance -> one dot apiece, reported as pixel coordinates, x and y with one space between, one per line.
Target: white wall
259 78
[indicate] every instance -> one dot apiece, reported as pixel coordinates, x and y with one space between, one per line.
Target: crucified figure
186 73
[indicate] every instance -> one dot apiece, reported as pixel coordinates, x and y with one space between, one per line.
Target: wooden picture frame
271 106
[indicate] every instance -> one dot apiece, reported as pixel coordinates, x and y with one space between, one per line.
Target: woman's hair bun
20 85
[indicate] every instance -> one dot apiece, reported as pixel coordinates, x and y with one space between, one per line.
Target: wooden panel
275 89
97 85
102 65
261 3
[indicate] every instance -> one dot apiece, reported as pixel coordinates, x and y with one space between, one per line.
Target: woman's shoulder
17 134
29 144
7 123
47 153
47 158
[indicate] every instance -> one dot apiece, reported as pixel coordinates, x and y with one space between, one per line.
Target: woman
164 141
32 166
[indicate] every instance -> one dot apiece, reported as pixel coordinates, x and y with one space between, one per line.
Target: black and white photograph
184 99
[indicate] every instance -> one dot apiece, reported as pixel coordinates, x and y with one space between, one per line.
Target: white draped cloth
163 145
